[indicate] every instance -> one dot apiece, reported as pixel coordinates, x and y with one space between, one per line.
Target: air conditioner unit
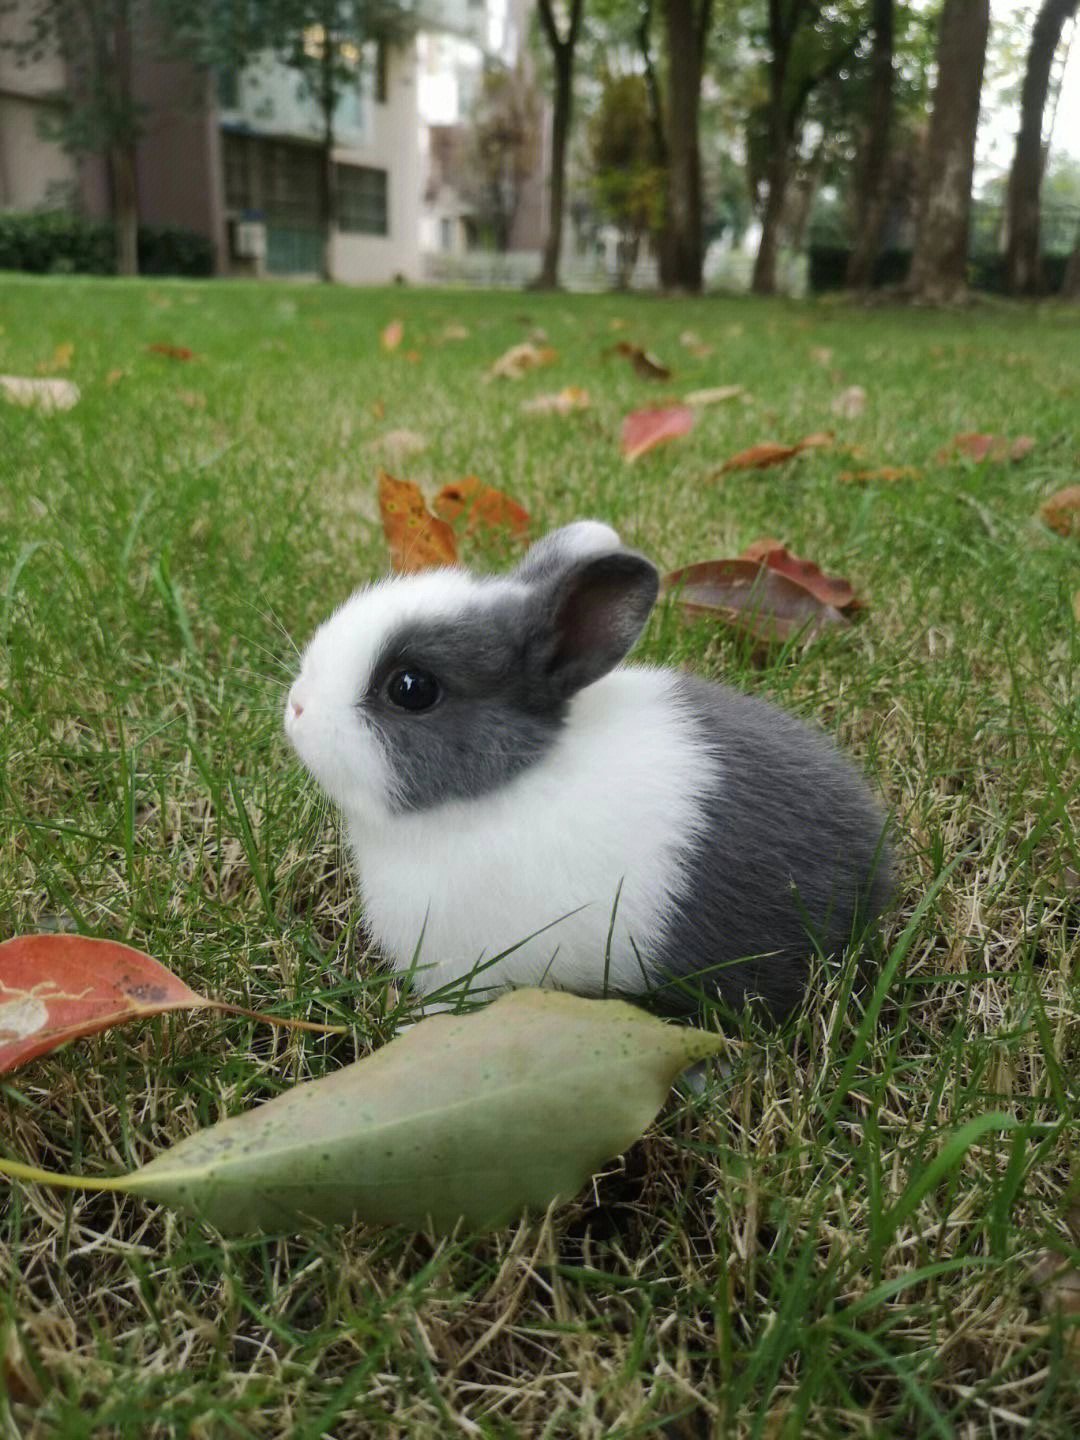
249 240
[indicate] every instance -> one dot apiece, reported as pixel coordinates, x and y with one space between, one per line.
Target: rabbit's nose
294 706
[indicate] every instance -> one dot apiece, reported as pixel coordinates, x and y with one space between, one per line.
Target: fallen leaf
700 349
979 447
485 507
455 332
563 402
750 597
715 395
520 359
644 362
850 403
821 355
398 444
884 474
829 589
172 352
417 539
475 1117
60 359
113 376
820 440
1062 511
413 357
192 399
759 457
1058 1284
643 430
56 988
392 335
47 395
17 1380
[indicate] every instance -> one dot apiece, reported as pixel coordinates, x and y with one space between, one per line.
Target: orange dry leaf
172 352
484 506
417 539
644 362
759 457
60 359
563 402
520 359
1062 511
644 429
829 589
885 474
392 335
980 447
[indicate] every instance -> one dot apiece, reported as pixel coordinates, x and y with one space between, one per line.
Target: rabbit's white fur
612 806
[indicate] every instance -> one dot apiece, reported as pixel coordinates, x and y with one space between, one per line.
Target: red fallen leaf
485 506
829 589
752 598
980 447
417 539
55 988
392 335
642 430
1062 511
172 352
644 362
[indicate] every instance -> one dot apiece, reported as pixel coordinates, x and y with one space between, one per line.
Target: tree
500 150
809 43
1022 258
686 29
871 194
562 54
97 112
939 260
629 183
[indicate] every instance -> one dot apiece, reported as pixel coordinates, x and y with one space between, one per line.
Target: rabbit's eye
412 690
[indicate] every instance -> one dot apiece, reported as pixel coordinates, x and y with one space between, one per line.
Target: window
361 200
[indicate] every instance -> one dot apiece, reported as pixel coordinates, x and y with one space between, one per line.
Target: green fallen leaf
475 1117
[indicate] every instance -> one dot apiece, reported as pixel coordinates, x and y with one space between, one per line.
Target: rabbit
523 808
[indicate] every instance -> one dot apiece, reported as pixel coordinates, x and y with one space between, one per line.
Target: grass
838 1237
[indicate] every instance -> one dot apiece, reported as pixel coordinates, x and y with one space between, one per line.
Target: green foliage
628 182
55 242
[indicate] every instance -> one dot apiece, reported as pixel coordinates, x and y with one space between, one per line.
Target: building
238 158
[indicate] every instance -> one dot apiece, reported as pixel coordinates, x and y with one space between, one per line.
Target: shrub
54 242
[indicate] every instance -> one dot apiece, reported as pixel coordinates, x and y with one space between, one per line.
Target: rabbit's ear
587 617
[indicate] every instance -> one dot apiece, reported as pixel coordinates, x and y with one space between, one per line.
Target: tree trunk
1070 286
686 23
871 202
327 101
783 21
121 161
1022 259
125 207
562 54
940 258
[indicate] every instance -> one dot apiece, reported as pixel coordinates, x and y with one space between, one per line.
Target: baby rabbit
511 790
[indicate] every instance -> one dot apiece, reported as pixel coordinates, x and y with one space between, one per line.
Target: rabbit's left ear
587 617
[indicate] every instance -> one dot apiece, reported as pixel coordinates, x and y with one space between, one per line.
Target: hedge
53 242
828 267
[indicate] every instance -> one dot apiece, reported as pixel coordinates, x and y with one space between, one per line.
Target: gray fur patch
492 720
792 856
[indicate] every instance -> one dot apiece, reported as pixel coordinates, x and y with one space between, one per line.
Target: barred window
362 200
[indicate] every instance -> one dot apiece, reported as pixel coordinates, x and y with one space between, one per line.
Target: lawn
830 1240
